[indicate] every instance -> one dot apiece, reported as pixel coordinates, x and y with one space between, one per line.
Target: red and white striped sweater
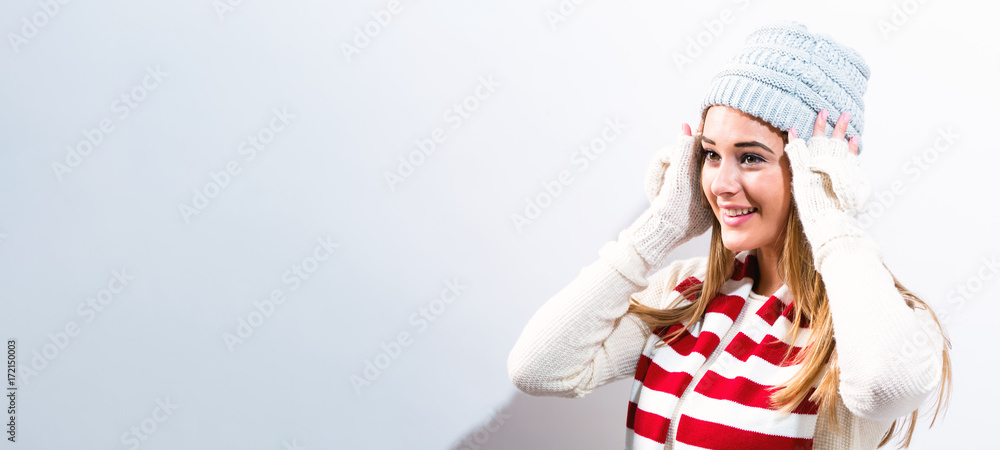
706 391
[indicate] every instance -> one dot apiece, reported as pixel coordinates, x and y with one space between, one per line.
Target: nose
727 180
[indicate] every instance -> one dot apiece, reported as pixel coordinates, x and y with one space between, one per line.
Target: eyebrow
742 144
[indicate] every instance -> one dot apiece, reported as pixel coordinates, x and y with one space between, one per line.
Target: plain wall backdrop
276 225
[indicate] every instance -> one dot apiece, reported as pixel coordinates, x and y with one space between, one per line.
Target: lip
738 220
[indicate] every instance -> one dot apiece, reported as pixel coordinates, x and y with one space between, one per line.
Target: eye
709 155
751 158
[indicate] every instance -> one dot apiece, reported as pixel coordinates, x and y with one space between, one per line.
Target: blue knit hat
786 75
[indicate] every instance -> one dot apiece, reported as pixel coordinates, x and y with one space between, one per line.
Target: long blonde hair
819 358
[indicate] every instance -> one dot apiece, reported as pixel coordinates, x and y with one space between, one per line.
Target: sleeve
890 356
582 338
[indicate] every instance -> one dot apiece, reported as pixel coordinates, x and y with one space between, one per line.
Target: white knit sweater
890 356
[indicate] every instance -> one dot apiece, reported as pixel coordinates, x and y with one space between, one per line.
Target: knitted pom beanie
786 75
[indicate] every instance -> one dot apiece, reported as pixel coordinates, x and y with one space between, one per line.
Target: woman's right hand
675 214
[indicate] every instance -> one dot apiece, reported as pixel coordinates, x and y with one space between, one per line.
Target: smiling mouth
738 212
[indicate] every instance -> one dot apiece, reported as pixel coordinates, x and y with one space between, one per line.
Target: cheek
707 198
785 175
771 191
779 195
706 181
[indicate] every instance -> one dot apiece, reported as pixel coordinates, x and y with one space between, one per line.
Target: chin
738 244
735 248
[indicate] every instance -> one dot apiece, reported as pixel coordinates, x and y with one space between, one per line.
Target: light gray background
161 338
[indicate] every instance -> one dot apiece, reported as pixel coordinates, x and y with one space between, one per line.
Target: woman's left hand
839 131
828 186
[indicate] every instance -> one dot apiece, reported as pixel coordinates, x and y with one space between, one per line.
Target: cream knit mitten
829 189
675 214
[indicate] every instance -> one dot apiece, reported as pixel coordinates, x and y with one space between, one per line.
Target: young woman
791 333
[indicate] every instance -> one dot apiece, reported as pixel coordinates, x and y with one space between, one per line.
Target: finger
852 145
686 129
701 126
840 130
792 135
819 129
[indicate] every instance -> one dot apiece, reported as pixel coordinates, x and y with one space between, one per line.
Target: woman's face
746 177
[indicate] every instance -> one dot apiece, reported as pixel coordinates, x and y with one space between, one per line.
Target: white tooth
739 212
